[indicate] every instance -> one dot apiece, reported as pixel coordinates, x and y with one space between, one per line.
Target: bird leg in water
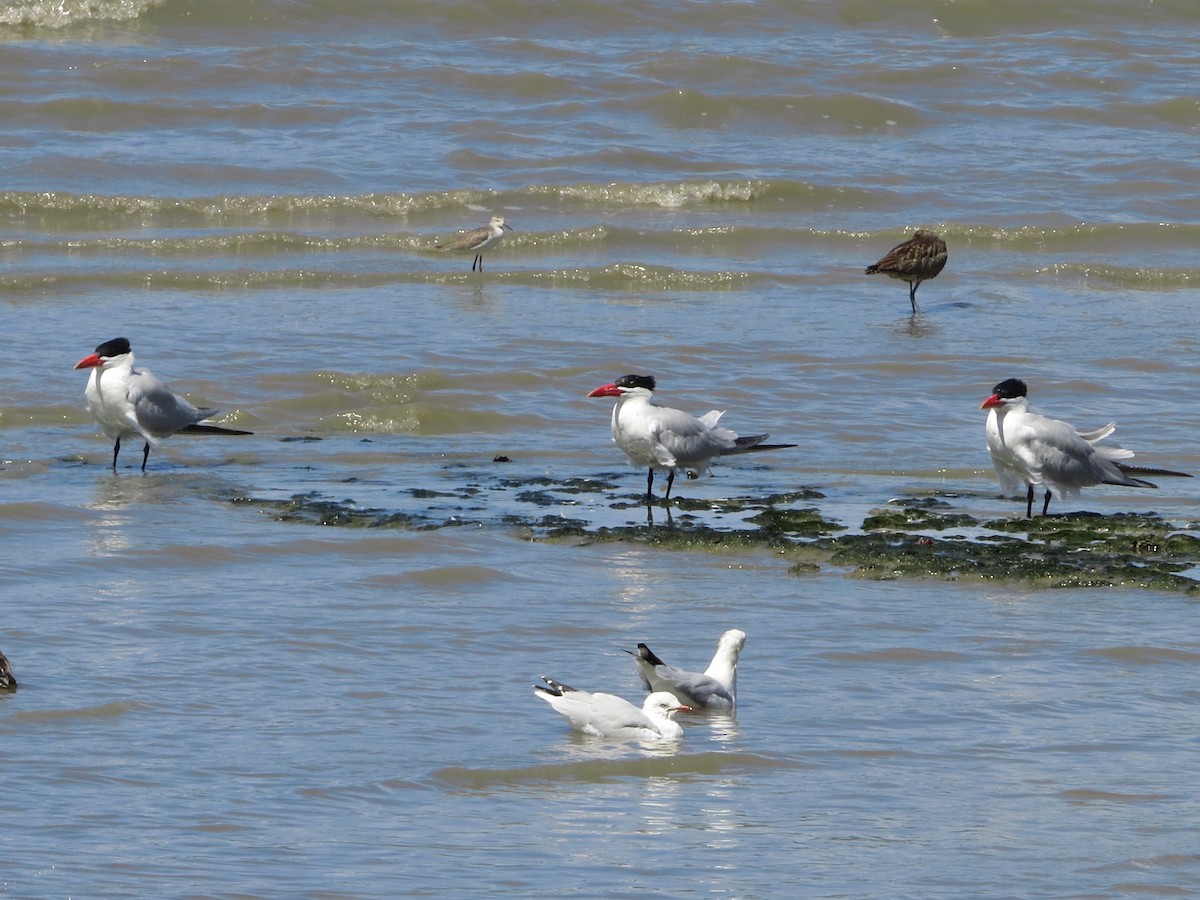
1029 502
670 481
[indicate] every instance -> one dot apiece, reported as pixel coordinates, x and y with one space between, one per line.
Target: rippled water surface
300 663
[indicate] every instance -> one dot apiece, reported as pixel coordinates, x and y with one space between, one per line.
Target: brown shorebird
918 259
7 681
478 240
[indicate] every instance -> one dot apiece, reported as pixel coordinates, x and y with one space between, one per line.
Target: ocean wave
617 277
64 13
1089 236
1138 277
468 17
122 211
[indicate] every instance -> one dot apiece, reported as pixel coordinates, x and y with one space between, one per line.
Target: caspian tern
669 439
127 401
608 716
715 688
1030 449
8 681
477 240
918 259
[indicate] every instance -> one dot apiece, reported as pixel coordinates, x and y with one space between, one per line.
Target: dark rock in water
8 681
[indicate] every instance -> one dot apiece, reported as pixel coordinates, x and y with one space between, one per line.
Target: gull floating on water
608 716
918 259
477 240
714 689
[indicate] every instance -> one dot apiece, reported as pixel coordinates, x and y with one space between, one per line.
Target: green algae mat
909 538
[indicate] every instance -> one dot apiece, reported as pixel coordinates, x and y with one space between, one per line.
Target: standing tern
715 688
666 439
127 401
1030 449
918 259
608 716
477 240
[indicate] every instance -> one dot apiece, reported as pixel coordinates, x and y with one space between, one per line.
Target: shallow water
218 700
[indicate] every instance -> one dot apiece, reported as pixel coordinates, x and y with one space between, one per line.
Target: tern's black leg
478 262
1046 505
1029 503
116 452
145 455
912 294
650 486
670 481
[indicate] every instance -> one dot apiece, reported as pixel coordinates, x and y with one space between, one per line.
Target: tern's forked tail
210 429
753 443
1146 470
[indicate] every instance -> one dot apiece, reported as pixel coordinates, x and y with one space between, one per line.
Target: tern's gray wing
1098 434
687 439
1053 452
156 411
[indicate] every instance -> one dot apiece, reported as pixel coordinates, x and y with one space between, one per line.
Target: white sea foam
62 13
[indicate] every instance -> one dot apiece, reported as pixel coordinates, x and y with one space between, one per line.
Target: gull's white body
608 716
714 689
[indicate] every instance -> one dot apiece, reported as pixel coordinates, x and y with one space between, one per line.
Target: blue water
216 702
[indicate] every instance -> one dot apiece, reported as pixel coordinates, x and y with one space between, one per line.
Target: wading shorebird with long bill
918 259
1029 450
668 440
127 401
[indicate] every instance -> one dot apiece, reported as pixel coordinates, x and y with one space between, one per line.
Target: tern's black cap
115 347
635 381
1010 388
